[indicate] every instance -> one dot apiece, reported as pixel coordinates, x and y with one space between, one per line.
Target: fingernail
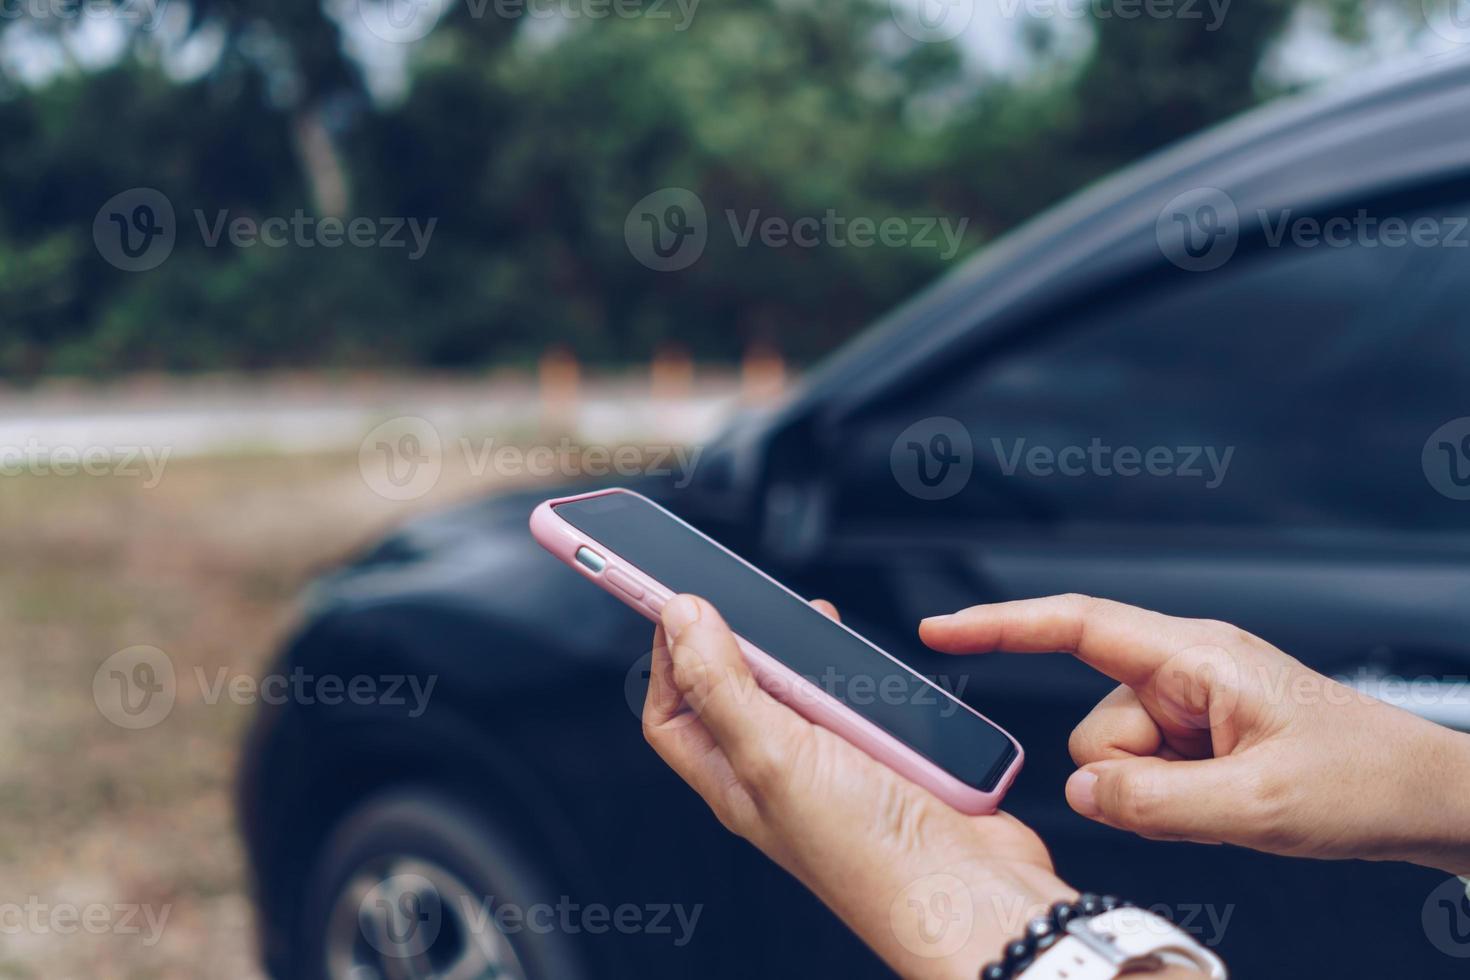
935 620
1082 793
680 612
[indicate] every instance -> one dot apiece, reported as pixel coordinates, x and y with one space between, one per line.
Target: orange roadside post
560 378
762 374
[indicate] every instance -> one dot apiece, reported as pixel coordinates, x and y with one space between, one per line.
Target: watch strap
1103 946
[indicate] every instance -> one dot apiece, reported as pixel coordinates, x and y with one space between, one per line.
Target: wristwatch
1123 940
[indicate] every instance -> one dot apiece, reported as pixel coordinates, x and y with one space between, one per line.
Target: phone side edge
562 539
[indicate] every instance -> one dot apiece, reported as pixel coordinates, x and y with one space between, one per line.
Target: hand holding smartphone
645 555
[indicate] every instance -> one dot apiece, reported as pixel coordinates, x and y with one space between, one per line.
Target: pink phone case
637 589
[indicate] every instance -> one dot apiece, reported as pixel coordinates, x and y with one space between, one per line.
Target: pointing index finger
1126 643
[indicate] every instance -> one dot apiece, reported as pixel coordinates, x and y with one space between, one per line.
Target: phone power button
624 584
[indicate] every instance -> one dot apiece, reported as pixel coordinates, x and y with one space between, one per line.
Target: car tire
414 884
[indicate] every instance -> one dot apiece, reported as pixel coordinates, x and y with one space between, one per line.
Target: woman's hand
1215 735
934 892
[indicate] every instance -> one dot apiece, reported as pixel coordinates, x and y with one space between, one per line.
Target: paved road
204 417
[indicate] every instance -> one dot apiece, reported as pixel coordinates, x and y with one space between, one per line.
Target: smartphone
644 555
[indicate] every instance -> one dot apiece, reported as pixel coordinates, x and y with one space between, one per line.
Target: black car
1254 315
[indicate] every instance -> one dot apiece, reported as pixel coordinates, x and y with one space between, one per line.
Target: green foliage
528 146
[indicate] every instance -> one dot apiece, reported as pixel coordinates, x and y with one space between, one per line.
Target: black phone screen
902 703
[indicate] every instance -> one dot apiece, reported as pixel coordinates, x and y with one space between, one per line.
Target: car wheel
413 885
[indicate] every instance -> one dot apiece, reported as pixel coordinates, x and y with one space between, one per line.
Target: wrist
1030 894
1444 839
948 935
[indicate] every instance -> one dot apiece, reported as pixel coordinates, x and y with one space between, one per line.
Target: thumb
1161 798
713 678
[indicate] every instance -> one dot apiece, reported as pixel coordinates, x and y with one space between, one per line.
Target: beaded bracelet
1045 930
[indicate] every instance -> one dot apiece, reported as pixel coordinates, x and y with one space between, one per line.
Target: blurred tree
527 139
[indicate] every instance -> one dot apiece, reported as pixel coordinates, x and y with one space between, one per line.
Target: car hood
471 576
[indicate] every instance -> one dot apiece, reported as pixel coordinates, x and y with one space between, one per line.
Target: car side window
1311 386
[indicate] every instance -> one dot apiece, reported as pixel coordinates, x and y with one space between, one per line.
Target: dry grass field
118 855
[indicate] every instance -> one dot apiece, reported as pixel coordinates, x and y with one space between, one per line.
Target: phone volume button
624 583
